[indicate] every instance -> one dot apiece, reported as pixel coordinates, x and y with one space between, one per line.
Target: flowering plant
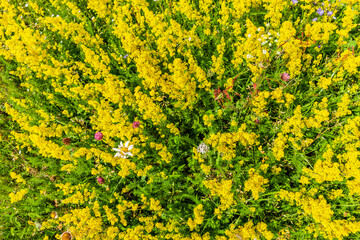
179 119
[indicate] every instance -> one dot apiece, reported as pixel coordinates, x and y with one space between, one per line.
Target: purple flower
126 55
320 11
329 13
101 180
285 77
135 124
257 121
319 46
294 1
98 136
314 19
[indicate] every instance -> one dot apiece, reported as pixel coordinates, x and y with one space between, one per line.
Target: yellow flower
18 196
254 183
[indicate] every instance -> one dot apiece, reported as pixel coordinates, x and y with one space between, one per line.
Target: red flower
101 180
66 141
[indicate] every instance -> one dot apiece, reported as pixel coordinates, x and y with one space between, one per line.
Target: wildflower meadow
180 119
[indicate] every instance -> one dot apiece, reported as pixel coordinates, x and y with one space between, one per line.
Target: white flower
249 35
203 148
123 151
263 43
249 56
259 29
270 44
264 51
268 24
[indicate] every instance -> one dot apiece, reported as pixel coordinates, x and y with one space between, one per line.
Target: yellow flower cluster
82 224
321 114
18 196
322 214
110 216
18 177
225 143
223 190
325 170
77 196
343 106
259 104
249 231
100 7
208 119
199 217
255 183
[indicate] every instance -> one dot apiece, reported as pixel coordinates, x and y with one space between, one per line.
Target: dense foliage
203 119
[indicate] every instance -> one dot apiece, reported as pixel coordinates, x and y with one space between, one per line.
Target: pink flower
135 124
98 136
101 180
285 77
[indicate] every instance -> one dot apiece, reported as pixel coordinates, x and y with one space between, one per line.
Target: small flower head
285 77
314 19
123 150
66 236
202 148
54 215
320 12
98 136
329 13
135 124
66 141
257 121
126 55
101 180
294 1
